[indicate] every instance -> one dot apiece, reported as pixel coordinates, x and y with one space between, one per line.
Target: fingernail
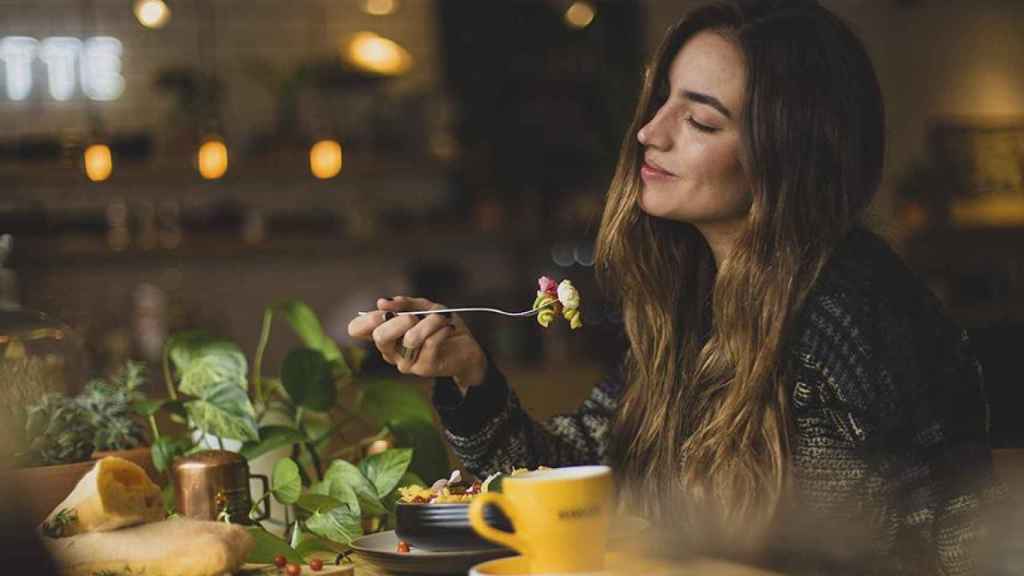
388 316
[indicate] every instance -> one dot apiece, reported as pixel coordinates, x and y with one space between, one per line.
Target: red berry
316 564
293 570
280 560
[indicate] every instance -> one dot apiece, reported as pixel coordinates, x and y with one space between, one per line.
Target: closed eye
699 126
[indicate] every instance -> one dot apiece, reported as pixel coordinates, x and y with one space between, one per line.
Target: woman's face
691 147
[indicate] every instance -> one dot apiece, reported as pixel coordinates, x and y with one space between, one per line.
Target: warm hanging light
152 13
213 158
580 14
99 163
380 7
325 159
378 55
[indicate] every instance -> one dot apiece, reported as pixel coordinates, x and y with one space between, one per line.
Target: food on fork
554 299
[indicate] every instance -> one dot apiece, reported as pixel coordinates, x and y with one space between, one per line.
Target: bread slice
114 494
174 547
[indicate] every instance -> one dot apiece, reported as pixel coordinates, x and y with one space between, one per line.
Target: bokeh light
378 55
580 14
325 159
99 163
152 13
213 159
380 7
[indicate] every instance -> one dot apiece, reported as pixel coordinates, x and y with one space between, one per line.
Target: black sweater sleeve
490 432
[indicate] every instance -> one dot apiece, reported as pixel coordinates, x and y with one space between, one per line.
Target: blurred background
168 165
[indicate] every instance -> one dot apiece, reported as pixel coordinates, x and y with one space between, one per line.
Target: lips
652 169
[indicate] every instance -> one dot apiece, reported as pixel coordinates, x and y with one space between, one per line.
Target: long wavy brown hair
704 420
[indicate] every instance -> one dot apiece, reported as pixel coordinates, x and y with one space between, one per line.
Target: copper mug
210 483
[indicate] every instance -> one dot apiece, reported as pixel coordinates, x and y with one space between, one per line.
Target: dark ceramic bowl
445 527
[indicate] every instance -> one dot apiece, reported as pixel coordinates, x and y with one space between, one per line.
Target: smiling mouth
651 170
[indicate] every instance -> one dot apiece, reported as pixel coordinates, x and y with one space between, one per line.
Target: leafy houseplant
332 512
62 430
312 408
62 436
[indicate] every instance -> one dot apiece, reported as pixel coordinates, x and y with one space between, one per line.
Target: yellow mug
560 517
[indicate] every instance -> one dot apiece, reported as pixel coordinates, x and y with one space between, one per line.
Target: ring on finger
407 353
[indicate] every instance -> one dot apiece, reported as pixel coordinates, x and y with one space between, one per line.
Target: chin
654 204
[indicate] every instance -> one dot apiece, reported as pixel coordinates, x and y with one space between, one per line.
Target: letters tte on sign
96 62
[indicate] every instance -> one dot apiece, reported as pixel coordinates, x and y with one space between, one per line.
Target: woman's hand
428 346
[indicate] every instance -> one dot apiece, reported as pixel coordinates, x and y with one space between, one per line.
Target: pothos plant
316 406
332 512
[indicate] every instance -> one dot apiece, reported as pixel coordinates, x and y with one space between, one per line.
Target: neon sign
94 63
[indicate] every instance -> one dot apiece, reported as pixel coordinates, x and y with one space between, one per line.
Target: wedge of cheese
114 494
174 547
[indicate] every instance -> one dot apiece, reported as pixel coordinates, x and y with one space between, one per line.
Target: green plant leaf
167 495
386 468
321 427
147 408
307 326
313 503
339 491
271 438
285 482
310 544
339 369
296 535
267 546
429 454
188 348
176 409
272 387
165 449
354 357
224 410
217 362
340 525
306 376
366 492
185 347
390 400
196 449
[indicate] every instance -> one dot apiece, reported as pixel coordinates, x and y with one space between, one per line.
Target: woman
784 367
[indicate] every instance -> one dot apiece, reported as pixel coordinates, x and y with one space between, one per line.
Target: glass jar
38 355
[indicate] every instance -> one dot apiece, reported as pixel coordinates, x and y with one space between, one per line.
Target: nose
653 134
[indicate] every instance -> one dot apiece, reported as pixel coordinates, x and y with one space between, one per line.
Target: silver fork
525 313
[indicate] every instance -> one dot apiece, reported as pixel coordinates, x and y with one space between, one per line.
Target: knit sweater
890 449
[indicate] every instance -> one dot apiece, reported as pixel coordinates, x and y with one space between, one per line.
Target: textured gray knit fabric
891 461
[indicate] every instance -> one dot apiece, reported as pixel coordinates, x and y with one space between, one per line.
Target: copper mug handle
266 501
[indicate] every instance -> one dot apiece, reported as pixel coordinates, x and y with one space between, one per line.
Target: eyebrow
707 99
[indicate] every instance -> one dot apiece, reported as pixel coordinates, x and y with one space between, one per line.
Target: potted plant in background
311 425
63 436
